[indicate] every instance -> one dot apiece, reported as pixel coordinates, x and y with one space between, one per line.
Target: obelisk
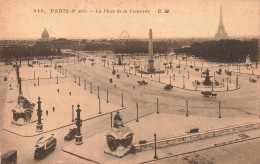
150 68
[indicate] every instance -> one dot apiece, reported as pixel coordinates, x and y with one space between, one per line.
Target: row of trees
131 46
25 52
224 50
138 46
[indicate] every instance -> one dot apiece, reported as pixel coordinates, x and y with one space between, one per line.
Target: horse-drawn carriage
252 80
114 72
71 134
142 82
168 87
219 71
228 73
208 93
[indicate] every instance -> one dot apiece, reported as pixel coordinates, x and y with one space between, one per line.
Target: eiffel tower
221 33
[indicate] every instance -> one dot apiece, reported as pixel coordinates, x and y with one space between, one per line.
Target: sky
186 18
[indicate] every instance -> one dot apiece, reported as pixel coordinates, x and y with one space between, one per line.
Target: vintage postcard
129 81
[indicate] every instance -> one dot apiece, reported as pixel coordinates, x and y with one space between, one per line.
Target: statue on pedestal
119 138
23 111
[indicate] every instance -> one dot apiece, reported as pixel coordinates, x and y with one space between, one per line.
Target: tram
44 146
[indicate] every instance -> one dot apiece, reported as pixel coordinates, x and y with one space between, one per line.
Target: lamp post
99 106
78 136
187 110
39 125
155 151
227 83
237 82
183 82
122 100
157 105
72 113
20 86
137 112
98 92
107 96
111 115
219 112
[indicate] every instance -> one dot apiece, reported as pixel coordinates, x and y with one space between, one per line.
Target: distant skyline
187 18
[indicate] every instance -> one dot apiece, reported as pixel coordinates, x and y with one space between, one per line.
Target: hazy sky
187 18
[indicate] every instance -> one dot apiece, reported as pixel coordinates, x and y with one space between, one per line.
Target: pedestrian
47 112
53 109
133 87
115 85
58 90
70 93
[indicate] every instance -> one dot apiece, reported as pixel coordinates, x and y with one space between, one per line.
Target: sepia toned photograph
129 82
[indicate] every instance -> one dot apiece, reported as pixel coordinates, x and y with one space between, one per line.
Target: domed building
45 34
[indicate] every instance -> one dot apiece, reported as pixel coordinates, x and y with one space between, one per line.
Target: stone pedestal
39 127
78 140
119 141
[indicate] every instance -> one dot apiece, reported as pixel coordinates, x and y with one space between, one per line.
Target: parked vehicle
71 134
252 80
44 146
9 157
192 129
114 72
168 87
142 82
